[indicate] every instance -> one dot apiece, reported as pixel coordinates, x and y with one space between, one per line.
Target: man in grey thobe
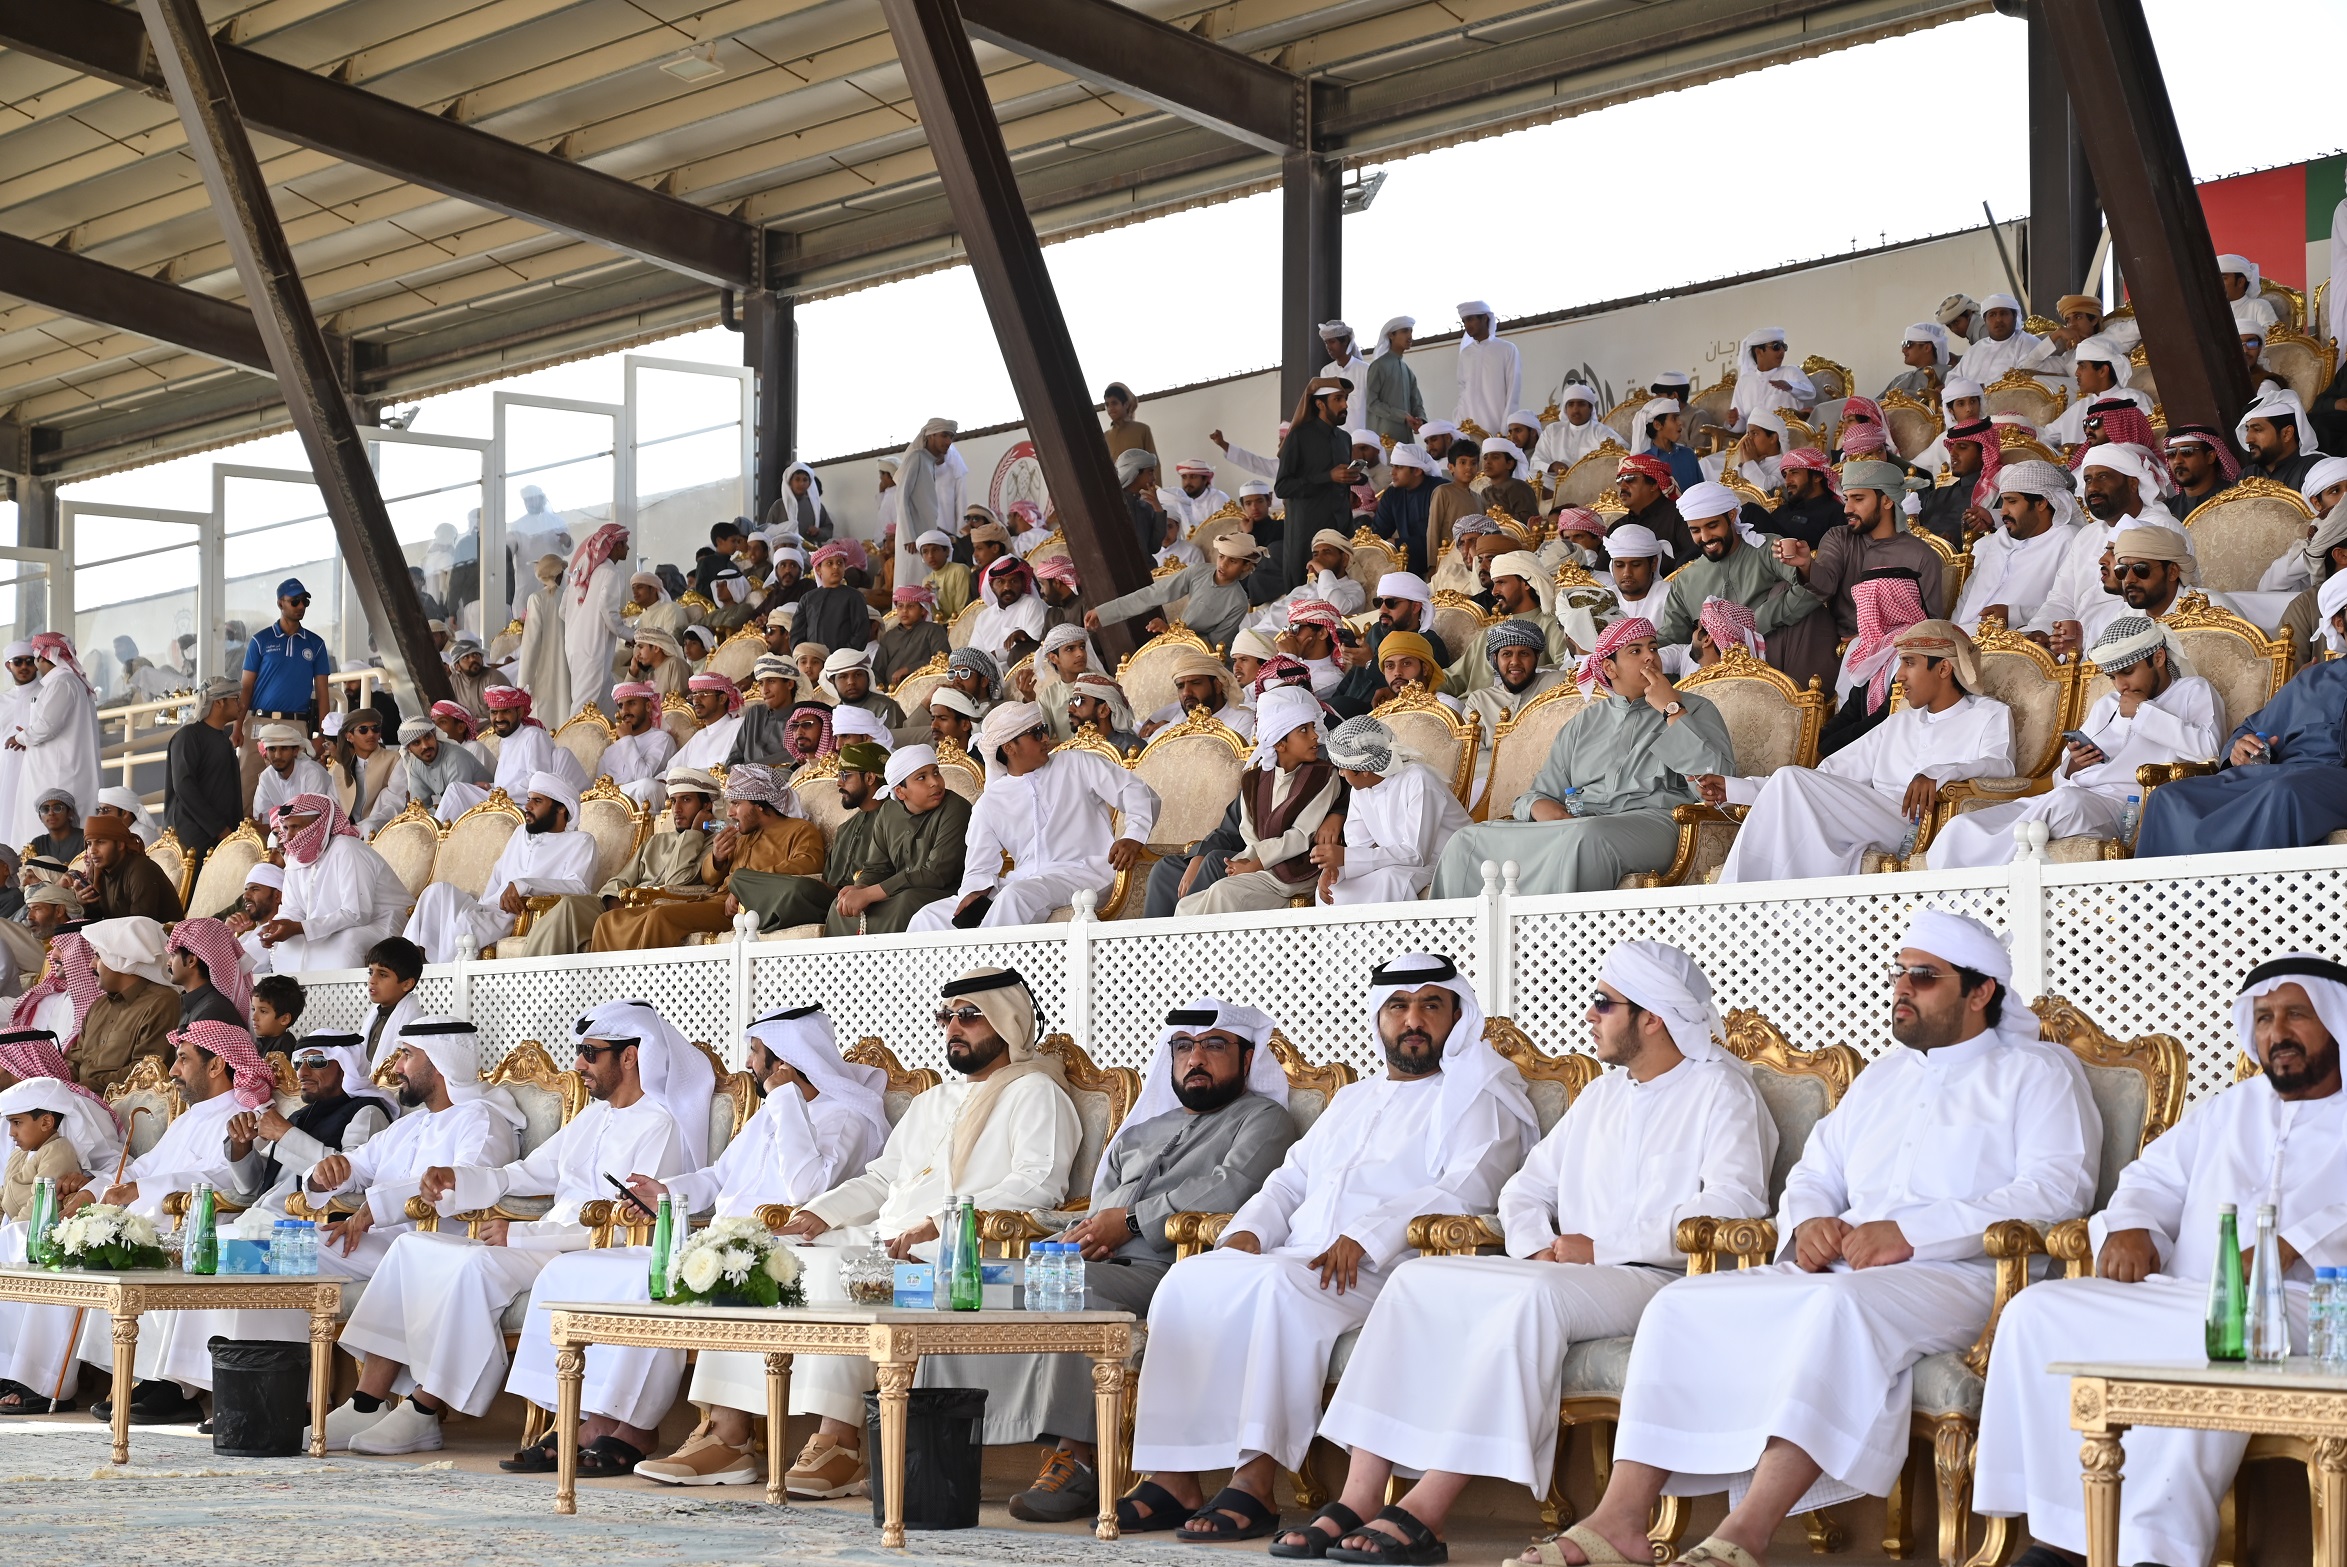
1213 598
1209 1128
1601 807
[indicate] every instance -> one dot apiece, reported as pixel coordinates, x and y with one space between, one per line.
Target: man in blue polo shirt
285 670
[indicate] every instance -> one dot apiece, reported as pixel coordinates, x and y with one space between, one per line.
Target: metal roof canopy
472 188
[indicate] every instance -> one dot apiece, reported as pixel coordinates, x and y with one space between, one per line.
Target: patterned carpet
178 1503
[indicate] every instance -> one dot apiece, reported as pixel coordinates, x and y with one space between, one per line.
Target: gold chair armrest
540 902
1011 1229
422 1214
2070 1244
175 1204
1192 1233
1691 820
1704 1241
1455 1234
645 897
1971 794
337 1205
774 1215
2010 1243
597 1216
2152 774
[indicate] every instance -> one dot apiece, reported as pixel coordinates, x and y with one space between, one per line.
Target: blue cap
291 588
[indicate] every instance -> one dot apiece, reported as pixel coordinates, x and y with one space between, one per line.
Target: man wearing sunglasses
1970 1122
999 1131
1239 1354
431 1322
1055 813
2153 565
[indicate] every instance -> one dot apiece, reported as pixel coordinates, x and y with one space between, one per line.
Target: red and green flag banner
2278 218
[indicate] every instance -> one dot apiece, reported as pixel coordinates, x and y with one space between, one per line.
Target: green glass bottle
663 1246
969 1279
2228 1298
200 1251
37 1249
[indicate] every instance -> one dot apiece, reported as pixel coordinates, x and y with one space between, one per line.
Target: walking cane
80 1312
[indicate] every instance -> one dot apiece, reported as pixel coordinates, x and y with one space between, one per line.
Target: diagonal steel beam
1154 61
297 349
114 296
374 132
975 168
2158 230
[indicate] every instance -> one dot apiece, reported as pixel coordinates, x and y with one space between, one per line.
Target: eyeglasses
1776 347
302 1061
594 1053
1204 1045
1394 603
962 1015
1921 975
2140 570
1603 1005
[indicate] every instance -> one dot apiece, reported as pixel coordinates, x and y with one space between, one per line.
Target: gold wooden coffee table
126 1295
2296 1398
894 1339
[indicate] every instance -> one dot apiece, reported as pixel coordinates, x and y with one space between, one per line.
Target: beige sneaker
703 1460
822 1471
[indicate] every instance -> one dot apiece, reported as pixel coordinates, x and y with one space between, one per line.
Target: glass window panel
101 537
262 503
126 614
672 402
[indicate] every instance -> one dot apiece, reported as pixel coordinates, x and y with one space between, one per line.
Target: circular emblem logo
1018 477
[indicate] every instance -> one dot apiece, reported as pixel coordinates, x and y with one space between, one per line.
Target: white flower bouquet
734 1262
106 1239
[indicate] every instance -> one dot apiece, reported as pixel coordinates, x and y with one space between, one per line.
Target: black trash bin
260 1397
945 1430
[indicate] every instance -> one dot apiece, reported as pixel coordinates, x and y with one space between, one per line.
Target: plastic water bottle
1055 1279
2333 1352
305 1234
1914 831
1071 1277
2129 817
1042 1257
1572 801
2321 1322
2267 1325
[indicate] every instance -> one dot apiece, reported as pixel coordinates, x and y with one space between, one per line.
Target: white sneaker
343 1422
407 1429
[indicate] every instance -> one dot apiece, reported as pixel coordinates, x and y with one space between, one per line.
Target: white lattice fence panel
1312 978
335 1006
2168 955
514 1001
889 992
1812 966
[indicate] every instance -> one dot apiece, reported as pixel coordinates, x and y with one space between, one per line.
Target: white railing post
2025 910
1078 987
1497 938
460 994
745 933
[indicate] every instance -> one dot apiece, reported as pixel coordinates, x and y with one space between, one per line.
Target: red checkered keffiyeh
1811 458
1633 628
733 693
304 847
1315 612
825 745
1992 458
604 543
499 699
461 713
1056 567
2228 461
1885 607
37 1058
1281 670
1653 468
1730 624
2121 421
216 948
255 1085
72 972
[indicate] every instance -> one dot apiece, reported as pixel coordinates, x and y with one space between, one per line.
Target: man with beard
848 672
1209 1126
2201 461
2276 435
1872 536
1459 1369
431 766
765 831
545 857
1240 1336
1523 590
820 1120
667 862
340 1112
1203 687
1651 492
782 901
2273 1138
1000 1131
2122 485
1809 504
1403 603
429 1324
640 747
470 677
2283 783
1518 650
1784 610
717 706
2153 565
1973 1121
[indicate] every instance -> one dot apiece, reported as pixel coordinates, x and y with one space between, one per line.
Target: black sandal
539 1458
17 1399
607 1458
1416 1548
1165 1510
1208 1524
1317 1541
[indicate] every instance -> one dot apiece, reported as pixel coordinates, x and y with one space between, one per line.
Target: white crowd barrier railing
132 735
2149 946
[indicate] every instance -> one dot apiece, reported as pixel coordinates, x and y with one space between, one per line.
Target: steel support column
770 346
298 352
975 169
2065 216
1311 267
131 302
2158 231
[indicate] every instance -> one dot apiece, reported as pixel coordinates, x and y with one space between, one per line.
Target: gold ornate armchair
617 824
1458 619
816 783
1772 723
1146 675
1715 404
676 716
959 629
2305 362
1955 567
2245 665
171 859
2025 677
1373 557
1589 478
2019 392
2240 532
1103 1097
1830 379
1520 747
1443 739
147 1087
2017 445
913 692
1224 520
1912 423
409 843
221 880
964 774
1618 417
737 655
1195 767
586 735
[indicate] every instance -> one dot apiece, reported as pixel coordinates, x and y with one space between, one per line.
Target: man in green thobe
1601 808
668 861
916 850
784 901
1793 620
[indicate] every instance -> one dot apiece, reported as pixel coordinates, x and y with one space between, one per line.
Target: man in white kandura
2157 710
547 856
820 1120
1821 821
1001 1132
1880 1263
429 1323
337 897
1459 1370
449 1119
1049 811
2279 1138
1397 820
1240 1337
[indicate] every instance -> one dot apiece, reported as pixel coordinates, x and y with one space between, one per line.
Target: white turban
2332 598
349 1052
555 787
135 808
1005 723
2277 403
1698 501
1265 1076
2000 302
1404 585
2130 459
1525 564
1471 1069
904 763
264 874
1635 541
2103 351
928 537
1961 940
1640 440
1961 386
130 945
848 719
85 1125
1474 307
1407 455
1669 984
1280 712
1577 392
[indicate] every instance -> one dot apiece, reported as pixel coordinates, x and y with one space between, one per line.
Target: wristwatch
1133 1223
1674 710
